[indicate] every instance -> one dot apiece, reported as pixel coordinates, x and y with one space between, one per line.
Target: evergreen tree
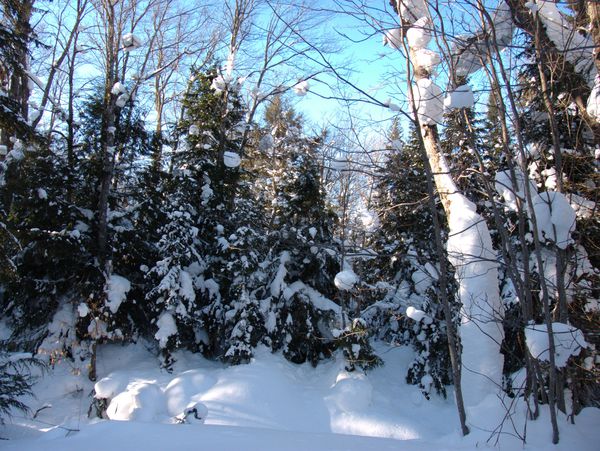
404 246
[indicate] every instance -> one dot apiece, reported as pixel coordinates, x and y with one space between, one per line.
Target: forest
335 182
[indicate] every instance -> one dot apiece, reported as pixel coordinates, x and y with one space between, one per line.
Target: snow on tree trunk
471 252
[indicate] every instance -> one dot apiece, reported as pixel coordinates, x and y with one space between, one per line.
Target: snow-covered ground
269 404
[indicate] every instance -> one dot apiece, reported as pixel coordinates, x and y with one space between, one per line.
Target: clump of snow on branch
166 328
419 34
231 159
218 84
555 217
577 48
393 38
301 88
416 314
428 102
568 341
593 103
130 42
412 10
116 291
122 100
461 97
118 88
506 189
426 59
345 280
469 52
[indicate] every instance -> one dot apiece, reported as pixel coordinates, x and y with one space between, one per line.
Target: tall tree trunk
470 251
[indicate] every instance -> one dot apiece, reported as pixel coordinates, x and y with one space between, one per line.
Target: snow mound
109 386
116 291
568 341
189 385
352 392
345 280
142 401
461 97
428 102
195 412
555 217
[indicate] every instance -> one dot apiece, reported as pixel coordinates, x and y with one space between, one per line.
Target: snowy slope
269 404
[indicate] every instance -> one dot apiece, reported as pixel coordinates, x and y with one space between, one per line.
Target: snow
130 42
472 254
269 404
426 59
42 194
393 38
231 159
345 280
317 299
428 102
505 188
555 217
577 48
593 102
301 88
278 282
339 165
219 84
461 97
568 341
83 310
419 34
3 149
142 401
110 386
352 392
116 291
415 314
166 328
122 100
194 130
118 88
412 10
